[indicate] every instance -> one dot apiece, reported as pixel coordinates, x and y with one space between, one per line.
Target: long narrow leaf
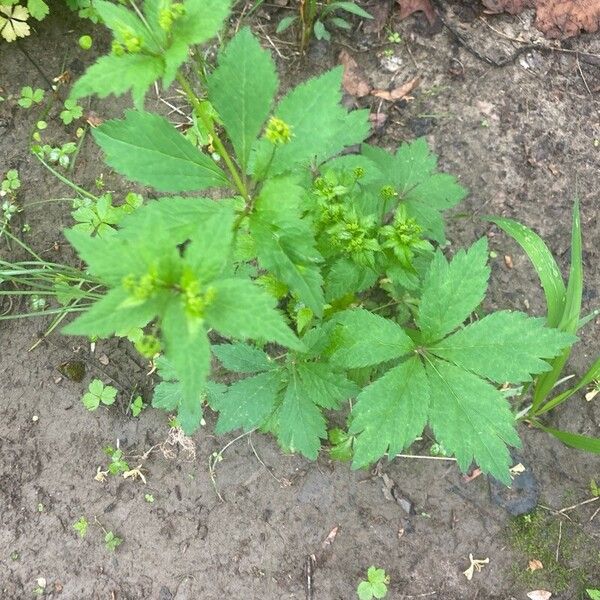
542 261
572 309
574 440
592 374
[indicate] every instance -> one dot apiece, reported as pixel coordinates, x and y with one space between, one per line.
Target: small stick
569 508
309 571
587 87
595 513
559 539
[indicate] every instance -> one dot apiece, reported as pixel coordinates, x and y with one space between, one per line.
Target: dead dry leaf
408 7
535 565
330 537
539 595
353 81
380 11
473 475
397 93
555 18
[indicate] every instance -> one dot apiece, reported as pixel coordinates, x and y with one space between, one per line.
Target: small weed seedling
71 112
137 406
112 541
149 498
315 18
81 526
29 97
97 394
375 586
117 463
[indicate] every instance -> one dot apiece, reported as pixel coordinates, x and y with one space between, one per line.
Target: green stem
218 144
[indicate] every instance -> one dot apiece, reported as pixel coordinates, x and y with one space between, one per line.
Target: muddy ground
524 139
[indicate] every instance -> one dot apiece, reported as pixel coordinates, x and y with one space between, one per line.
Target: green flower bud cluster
131 43
403 237
168 15
278 132
356 236
195 299
148 345
144 287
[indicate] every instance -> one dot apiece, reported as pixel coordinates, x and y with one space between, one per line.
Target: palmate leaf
424 192
452 291
390 413
145 147
285 242
504 347
249 402
321 127
363 339
242 309
471 419
247 74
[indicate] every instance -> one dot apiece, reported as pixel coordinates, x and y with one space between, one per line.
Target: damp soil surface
524 138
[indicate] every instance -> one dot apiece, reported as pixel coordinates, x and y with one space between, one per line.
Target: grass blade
569 321
543 262
574 440
592 374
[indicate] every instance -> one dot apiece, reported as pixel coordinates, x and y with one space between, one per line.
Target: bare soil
524 139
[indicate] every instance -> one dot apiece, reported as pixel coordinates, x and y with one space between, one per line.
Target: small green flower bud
85 42
278 132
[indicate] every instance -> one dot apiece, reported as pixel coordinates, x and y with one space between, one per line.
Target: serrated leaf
247 73
241 309
285 243
188 351
301 425
424 192
112 313
320 126
248 403
136 72
346 277
145 147
201 21
504 347
452 291
324 386
167 395
471 419
363 339
390 413
243 358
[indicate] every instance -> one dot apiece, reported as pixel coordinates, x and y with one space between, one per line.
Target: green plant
325 273
593 594
97 394
71 112
11 182
81 526
85 42
375 586
56 154
137 406
117 463
314 18
112 541
564 313
30 96
14 17
149 498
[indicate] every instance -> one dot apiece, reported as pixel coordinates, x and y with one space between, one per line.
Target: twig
595 513
587 87
559 540
449 458
569 508
281 482
309 572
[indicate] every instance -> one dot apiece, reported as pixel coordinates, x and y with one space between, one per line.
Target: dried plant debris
555 18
